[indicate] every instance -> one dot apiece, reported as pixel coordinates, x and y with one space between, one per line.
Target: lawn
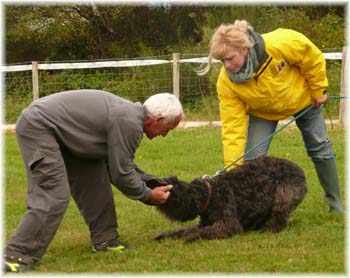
313 242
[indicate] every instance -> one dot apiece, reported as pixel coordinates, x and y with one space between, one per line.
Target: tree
91 31
46 32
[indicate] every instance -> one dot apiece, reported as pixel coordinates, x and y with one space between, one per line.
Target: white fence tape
126 63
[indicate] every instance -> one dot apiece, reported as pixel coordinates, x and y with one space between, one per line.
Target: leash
307 109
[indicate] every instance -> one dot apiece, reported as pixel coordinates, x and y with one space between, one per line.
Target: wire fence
133 79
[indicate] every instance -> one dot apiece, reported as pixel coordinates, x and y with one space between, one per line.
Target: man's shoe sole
16 267
119 249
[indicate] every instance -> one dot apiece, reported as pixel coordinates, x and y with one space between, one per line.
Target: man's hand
160 195
319 101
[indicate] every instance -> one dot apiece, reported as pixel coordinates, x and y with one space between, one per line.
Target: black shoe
112 245
15 267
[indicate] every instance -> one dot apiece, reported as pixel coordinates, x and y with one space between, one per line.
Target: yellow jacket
293 74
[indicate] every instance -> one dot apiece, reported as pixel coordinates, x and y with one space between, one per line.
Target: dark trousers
53 174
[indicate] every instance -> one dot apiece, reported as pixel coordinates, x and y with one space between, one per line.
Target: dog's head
181 204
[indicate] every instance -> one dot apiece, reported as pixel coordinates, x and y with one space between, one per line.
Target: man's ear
148 120
159 118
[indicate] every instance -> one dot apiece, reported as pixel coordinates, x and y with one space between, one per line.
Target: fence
136 79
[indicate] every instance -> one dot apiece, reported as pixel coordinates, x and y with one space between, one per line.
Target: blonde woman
269 77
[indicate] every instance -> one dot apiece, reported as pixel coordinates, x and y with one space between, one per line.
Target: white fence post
35 80
343 85
176 74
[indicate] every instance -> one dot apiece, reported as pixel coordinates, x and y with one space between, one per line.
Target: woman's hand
319 101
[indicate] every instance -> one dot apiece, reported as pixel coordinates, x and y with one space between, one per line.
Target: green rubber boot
328 177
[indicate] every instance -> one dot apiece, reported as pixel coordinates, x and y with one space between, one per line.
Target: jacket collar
259 47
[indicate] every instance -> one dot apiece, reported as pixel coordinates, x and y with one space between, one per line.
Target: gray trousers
313 130
53 174
317 144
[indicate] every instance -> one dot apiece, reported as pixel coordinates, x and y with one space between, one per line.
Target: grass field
313 242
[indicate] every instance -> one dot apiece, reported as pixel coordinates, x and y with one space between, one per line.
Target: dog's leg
287 198
220 229
178 233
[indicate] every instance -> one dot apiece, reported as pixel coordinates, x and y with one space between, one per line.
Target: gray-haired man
78 143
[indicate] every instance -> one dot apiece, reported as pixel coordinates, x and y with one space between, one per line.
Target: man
79 142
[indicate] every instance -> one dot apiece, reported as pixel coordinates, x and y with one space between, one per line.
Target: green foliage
326 31
197 93
313 241
334 79
18 88
89 31
135 83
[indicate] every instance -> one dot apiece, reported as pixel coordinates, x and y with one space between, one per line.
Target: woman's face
234 59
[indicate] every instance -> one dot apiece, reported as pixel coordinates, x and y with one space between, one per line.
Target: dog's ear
155 182
171 180
152 181
198 181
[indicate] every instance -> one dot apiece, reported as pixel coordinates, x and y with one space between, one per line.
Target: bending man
79 142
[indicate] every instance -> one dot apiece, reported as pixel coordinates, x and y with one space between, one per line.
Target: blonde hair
227 35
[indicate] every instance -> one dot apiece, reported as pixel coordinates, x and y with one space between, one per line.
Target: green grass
313 241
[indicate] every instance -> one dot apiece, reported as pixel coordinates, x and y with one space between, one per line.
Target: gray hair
163 104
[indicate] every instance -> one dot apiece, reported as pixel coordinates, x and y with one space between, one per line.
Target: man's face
156 126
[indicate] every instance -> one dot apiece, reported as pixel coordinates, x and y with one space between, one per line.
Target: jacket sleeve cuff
318 93
146 194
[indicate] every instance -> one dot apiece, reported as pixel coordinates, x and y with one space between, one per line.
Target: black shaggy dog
262 190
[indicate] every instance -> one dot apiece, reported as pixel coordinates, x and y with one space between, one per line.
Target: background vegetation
95 31
48 33
313 243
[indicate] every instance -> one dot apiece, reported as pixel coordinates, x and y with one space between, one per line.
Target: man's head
163 113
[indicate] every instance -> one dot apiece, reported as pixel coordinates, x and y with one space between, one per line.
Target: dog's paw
160 237
277 229
192 238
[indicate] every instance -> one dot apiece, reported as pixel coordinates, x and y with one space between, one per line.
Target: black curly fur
261 190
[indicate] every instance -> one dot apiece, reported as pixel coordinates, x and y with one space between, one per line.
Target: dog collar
207 202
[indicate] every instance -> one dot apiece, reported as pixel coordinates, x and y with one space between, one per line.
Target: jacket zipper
266 65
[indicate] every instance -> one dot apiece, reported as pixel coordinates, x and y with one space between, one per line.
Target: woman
270 77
